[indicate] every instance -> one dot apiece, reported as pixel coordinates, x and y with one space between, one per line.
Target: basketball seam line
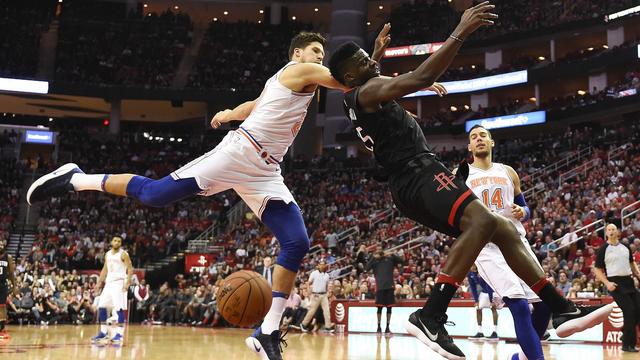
247 303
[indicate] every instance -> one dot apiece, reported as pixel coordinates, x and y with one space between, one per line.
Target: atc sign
198 262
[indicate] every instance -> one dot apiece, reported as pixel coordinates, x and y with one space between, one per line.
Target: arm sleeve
520 201
485 287
600 257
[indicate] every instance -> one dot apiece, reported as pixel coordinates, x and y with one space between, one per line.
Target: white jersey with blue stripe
277 116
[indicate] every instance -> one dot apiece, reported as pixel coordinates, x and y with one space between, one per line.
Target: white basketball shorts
236 164
113 296
493 268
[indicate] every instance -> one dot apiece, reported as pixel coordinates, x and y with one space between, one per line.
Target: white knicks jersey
277 116
116 268
495 189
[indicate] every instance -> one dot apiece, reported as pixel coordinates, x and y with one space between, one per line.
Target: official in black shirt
426 191
382 266
614 258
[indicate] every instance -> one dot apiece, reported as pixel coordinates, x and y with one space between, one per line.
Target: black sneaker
387 331
580 319
433 334
304 329
54 183
493 337
478 336
629 349
268 347
379 330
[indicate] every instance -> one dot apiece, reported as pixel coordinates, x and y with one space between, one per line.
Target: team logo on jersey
352 114
446 181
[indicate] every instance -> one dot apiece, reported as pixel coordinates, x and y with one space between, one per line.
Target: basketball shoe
117 339
268 347
580 318
54 183
100 338
432 333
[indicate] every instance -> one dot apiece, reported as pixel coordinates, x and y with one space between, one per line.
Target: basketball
244 298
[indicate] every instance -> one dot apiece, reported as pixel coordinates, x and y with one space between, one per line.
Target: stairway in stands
23 235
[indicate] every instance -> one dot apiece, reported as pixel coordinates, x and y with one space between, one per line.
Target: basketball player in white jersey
498 186
247 161
116 277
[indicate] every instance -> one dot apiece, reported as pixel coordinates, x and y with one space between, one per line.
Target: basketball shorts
113 296
427 192
385 297
484 302
493 269
240 164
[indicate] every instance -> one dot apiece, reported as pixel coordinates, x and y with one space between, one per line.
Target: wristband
456 38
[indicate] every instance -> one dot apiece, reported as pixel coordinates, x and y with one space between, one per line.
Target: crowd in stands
242 55
134 51
410 27
21 25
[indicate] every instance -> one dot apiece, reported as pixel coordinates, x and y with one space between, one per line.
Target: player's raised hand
220 118
382 41
438 89
475 17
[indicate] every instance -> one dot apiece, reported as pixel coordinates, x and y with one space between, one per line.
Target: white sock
271 322
479 329
104 329
82 182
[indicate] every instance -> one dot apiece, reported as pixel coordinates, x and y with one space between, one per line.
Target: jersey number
1 270
496 199
366 139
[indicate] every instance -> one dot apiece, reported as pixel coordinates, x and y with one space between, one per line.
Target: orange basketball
244 298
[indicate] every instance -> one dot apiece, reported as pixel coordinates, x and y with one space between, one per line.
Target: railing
582 169
411 244
350 232
237 212
597 226
382 216
630 210
402 234
616 152
560 164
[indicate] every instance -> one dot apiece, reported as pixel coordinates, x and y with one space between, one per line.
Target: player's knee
293 250
294 245
102 314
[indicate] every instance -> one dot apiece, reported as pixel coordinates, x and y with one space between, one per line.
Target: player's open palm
475 17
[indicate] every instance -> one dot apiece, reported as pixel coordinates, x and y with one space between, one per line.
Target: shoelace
282 340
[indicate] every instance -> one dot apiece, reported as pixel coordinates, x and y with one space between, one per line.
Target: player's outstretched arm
239 113
382 89
299 76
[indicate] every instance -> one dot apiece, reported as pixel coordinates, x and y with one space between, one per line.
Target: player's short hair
303 39
343 53
116 237
482 127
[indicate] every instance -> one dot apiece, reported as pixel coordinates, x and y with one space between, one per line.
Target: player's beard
482 154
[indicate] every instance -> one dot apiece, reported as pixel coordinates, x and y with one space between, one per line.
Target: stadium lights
50 119
605 46
293 18
259 21
622 13
316 9
261 11
27 86
477 84
145 134
453 108
172 139
582 92
145 6
215 19
590 49
226 13
533 99
380 7
466 107
179 139
473 66
368 23
541 58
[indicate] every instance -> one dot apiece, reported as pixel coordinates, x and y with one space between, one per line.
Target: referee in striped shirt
614 258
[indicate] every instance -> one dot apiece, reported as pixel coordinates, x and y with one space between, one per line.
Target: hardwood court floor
176 343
